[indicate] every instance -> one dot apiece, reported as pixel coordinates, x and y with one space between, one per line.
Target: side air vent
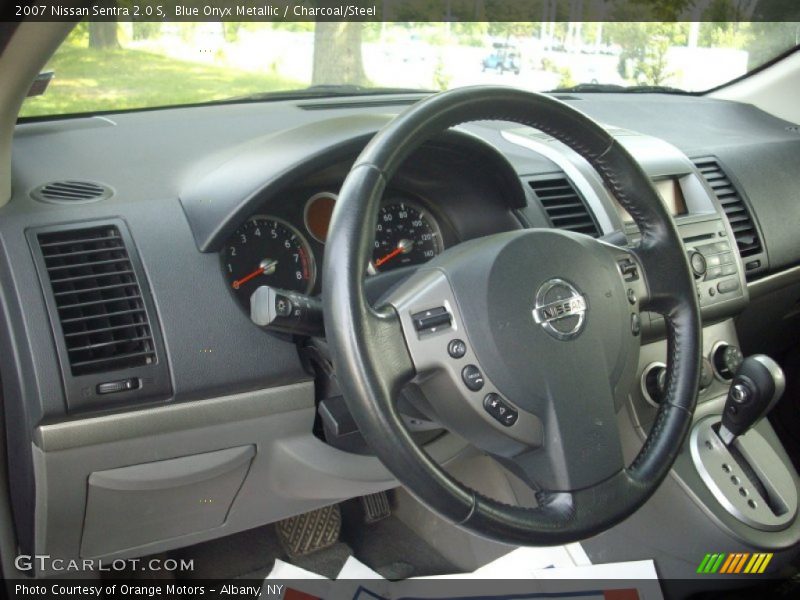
737 212
564 206
72 192
100 311
98 299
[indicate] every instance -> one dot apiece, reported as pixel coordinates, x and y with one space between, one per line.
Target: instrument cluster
272 250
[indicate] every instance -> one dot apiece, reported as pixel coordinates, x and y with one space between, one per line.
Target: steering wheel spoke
448 370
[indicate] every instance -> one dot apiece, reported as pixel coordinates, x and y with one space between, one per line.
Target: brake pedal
310 532
376 507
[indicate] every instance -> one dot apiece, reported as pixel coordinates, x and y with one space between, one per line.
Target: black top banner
278 11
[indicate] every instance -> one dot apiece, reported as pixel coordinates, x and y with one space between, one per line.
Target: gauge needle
404 246
267 267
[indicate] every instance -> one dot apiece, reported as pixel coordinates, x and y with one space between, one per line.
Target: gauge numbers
267 251
406 234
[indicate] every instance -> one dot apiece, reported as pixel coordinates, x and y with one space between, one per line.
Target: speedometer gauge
267 251
406 234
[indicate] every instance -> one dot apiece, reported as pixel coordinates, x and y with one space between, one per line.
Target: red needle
388 257
237 284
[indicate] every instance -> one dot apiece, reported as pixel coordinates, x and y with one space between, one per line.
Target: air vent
734 206
564 206
71 192
98 300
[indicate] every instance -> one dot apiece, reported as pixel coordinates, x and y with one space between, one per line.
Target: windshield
108 66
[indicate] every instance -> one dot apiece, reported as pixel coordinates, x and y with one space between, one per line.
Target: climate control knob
726 360
654 382
706 374
698 263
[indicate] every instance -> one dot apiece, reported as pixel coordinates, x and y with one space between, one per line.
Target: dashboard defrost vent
72 192
737 213
98 300
358 103
565 208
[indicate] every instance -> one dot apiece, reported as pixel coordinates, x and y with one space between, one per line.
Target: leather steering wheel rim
372 363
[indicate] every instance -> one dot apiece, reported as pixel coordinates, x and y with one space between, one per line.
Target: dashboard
147 351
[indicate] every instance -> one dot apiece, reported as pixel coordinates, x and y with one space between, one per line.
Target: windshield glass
108 66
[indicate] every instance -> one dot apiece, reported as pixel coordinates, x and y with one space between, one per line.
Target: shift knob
756 387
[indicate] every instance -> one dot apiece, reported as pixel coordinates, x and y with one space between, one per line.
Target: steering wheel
548 322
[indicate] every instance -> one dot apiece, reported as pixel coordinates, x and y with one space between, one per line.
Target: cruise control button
473 378
728 270
427 320
500 410
713 273
456 348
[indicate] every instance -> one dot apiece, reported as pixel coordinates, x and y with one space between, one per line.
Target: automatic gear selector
757 386
738 464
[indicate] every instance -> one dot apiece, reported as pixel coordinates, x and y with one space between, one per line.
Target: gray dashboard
184 179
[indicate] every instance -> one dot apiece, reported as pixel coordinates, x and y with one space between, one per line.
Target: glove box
141 504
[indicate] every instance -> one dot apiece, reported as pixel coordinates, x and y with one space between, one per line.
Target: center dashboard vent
736 211
100 312
563 205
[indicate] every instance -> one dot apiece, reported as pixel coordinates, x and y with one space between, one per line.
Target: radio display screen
669 189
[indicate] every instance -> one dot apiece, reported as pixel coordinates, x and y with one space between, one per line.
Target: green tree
103 34
145 30
337 54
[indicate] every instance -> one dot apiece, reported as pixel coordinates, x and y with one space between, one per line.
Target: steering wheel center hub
560 309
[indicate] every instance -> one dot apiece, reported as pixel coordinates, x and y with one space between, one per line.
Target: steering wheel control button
473 378
431 320
500 410
629 270
632 297
636 324
456 348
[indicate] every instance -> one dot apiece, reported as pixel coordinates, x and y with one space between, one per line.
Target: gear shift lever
755 389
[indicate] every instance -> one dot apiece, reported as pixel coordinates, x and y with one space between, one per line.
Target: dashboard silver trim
585 179
155 420
729 484
765 285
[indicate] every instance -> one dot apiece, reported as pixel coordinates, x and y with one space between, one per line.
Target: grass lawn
88 79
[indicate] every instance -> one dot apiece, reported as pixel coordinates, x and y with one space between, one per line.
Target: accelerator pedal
376 507
310 532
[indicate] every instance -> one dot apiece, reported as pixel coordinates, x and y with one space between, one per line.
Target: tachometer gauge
406 234
268 251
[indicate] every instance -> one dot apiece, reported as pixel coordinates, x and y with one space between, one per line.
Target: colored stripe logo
735 563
